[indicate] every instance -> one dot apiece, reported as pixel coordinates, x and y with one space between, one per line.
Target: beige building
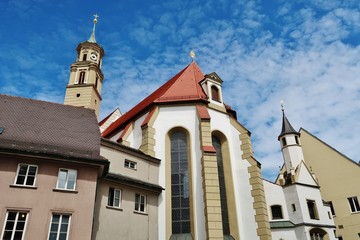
338 177
127 197
49 166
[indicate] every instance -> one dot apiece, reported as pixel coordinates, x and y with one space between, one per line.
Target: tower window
84 57
215 94
78 95
82 78
283 140
293 207
312 209
276 212
297 140
96 81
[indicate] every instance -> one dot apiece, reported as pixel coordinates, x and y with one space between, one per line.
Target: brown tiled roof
48 128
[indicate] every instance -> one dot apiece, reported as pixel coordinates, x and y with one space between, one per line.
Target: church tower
290 145
85 82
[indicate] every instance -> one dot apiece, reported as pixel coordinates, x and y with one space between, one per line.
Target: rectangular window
293 207
84 57
140 203
354 204
312 209
15 225
26 175
114 198
276 212
130 164
59 228
66 179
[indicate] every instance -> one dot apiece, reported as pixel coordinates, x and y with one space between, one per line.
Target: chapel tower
290 146
85 82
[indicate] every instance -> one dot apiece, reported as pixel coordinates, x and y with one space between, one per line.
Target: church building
178 165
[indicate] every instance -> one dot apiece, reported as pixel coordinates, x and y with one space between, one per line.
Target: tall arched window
224 209
82 77
180 202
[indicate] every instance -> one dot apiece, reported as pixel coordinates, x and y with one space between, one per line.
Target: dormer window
215 93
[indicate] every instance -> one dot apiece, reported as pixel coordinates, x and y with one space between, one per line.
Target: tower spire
92 37
286 126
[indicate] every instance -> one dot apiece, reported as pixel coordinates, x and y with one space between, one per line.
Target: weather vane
192 54
282 105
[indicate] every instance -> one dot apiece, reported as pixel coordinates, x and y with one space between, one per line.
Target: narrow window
293 207
180 199
276 212
59 228
283 140
297 140
215 93
15 225
130 164
332 208
84 57
96 81
312 209
26 175
354 204
66 179
82 77
114 198
140 203
223 199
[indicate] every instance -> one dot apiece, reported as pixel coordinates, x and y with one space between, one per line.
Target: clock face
93 56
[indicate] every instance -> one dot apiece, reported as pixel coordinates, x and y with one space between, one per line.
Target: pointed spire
286 126
92 37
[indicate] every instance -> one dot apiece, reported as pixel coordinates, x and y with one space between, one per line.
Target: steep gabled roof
184 86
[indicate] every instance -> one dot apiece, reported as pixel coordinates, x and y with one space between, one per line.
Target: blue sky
304 52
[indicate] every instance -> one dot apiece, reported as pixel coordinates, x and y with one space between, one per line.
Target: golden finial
96 18
192 54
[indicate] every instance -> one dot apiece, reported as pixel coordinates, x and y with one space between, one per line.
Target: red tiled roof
184 86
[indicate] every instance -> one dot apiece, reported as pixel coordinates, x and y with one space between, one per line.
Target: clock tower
85 82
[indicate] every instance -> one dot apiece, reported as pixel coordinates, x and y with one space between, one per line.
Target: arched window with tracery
224 208
180 201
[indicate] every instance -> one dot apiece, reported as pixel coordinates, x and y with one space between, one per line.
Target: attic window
1 130
215 94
